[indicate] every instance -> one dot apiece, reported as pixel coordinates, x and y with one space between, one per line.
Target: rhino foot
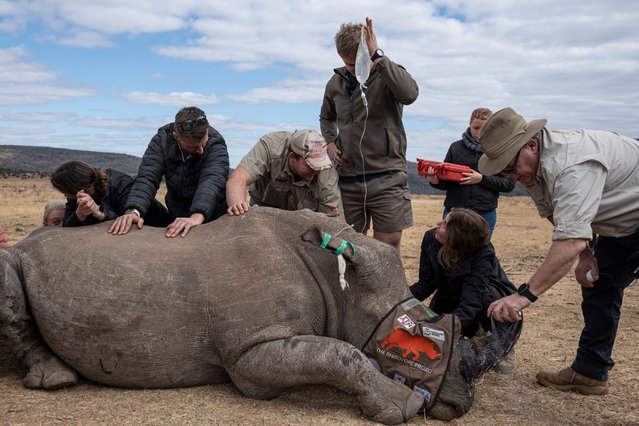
52 374
402 408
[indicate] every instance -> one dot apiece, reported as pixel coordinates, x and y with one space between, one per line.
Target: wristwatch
524 290
135 211
379 53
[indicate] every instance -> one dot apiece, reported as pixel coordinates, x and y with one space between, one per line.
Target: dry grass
549 340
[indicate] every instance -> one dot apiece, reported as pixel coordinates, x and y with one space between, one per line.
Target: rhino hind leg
269 368
19 331
52 374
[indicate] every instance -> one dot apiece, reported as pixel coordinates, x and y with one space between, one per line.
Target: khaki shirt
275 184
588 181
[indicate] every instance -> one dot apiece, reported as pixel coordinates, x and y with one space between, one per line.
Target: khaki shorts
384 199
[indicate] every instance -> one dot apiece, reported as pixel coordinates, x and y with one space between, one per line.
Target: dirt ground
551 330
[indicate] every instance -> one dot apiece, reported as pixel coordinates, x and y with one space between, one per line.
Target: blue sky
104 75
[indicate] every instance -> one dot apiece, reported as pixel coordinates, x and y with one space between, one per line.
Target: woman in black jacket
458 264
475 191
96 195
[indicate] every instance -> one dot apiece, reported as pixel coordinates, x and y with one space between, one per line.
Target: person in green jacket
362 125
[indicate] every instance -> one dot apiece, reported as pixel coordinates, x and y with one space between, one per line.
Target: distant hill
18 160
32 161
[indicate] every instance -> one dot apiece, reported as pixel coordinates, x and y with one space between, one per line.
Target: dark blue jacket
195 183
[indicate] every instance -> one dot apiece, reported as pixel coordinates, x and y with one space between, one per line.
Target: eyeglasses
194 122
511 168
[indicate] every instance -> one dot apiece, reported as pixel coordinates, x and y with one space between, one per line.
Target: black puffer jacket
113 203
195 183
482 197
467 291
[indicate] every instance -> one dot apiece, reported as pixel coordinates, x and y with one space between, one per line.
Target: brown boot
569 380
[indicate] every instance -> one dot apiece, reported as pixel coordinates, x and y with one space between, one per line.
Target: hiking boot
507 364
569 380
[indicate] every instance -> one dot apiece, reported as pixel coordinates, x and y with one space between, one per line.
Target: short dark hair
191 122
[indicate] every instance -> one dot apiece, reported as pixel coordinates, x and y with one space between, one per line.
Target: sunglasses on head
194 122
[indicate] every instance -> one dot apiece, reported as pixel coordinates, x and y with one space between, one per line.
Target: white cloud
85 39
177 99
33 117
118 124
15 69
287 91
573 62
31 83
39 93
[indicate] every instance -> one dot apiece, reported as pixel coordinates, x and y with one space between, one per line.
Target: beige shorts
385 200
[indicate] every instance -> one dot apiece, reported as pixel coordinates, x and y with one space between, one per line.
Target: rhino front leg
267 369
21 334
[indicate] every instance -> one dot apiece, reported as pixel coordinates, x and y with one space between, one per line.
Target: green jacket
342 117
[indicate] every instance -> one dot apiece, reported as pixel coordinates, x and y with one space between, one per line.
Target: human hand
123 224
238 208
508 308
86 205
587 262
182 225
334 154
431 176
371 40
471 178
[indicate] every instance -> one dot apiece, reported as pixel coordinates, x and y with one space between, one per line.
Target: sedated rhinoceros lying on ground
246 299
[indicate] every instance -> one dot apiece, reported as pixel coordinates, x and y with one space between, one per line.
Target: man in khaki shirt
289 171
586 182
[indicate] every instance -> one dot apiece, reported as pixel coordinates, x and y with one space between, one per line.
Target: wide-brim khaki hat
502 136
312 146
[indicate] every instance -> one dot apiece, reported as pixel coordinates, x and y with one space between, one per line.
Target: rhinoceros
253 299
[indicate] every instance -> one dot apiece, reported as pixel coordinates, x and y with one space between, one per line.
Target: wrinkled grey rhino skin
243 298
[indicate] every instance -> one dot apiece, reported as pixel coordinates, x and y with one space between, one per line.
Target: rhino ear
321 239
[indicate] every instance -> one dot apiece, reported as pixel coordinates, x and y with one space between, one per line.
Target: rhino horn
482 353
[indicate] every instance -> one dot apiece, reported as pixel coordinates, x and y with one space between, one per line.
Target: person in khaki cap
289 171
586 182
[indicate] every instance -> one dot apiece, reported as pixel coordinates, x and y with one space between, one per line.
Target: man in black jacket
193 158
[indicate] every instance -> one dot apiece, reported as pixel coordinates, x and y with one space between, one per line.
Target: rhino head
381 285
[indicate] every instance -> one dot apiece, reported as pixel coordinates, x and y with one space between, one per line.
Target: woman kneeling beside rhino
459 265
